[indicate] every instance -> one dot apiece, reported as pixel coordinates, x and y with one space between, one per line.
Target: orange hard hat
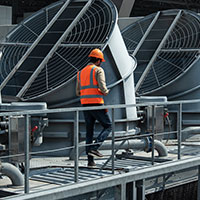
97 53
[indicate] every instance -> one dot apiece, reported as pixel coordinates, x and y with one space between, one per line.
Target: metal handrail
76 130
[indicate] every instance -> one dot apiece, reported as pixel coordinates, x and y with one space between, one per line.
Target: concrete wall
5 15
5 21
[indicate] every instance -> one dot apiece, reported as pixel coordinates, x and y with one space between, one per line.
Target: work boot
95 153
91 164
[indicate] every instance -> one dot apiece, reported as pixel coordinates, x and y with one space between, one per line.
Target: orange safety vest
89 90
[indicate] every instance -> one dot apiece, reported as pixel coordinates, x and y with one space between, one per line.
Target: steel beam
62 45
15 44
180 50
83 45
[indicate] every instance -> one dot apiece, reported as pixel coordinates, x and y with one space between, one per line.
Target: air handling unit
167 48
42 55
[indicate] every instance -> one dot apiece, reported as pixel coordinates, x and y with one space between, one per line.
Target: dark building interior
139 7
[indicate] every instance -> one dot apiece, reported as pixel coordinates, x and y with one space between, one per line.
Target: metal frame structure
136 177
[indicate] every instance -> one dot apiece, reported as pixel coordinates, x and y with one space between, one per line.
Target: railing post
198 186
27 159
179 128
153 134
76 148
123 191
131 191
140 189
9 139
113 140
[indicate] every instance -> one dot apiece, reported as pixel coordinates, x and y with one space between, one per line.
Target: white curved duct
126 66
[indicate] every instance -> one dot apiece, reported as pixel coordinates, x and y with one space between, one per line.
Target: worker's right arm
100 76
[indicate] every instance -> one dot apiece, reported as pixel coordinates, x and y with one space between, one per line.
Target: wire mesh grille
133 34
177 54
92 31
28 30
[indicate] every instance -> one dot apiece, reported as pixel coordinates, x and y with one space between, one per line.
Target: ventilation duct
167 48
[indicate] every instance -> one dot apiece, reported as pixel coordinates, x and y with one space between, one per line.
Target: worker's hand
108 91
100 91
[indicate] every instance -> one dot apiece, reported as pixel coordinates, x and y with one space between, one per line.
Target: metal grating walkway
63 176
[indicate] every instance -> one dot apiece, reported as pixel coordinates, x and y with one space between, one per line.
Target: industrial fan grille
92 30
165 45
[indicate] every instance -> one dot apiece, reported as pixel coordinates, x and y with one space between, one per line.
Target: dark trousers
90 117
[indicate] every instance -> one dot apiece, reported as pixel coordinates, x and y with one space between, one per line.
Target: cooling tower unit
167 48
42 55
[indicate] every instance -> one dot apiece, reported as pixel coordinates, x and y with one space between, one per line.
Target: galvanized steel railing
142 174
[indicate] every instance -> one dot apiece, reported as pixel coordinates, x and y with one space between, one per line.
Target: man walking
91 87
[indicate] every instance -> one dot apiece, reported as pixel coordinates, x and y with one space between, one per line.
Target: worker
91 87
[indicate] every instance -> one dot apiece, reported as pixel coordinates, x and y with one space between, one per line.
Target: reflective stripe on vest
89 94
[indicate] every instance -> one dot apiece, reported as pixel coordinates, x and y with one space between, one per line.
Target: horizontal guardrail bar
107 182
73 109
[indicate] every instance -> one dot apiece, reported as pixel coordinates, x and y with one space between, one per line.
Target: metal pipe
137 144
189 131
13 173
160 148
